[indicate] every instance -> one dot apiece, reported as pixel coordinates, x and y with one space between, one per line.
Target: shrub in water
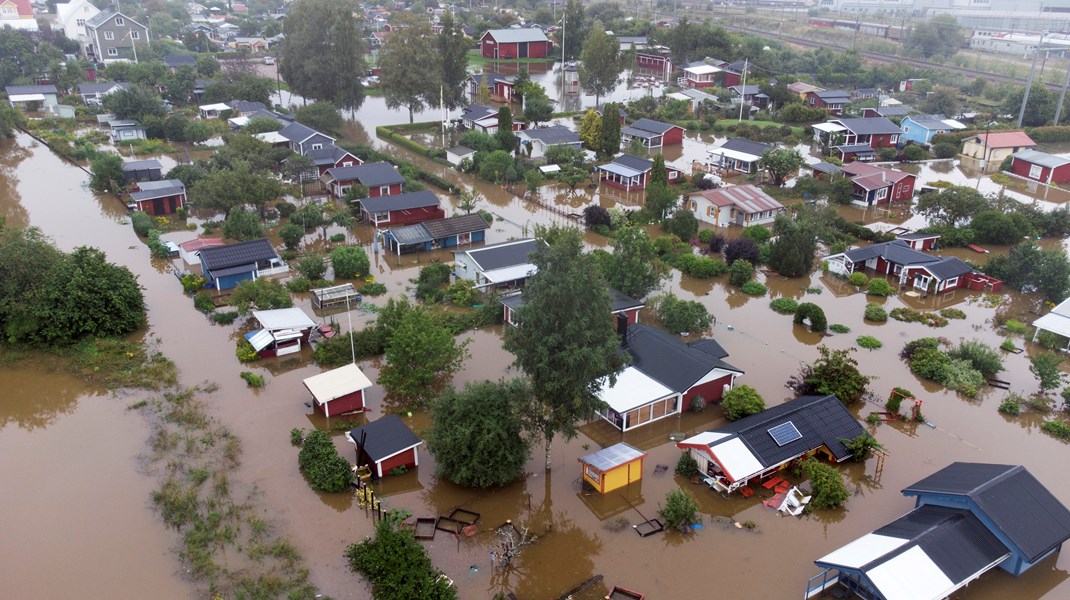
203 302
742 401
857 279
785 306
225 317
880 287
1010 406
687 466
753 288
327 471
245 351
680 511
839 328
952 313
875 312
829 491
373 289
869 342
254 380
1057 428
808 310
1016 326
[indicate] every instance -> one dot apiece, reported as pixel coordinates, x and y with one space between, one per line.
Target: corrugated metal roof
748 198
283 318
406 201
1041 158
613 457
523 34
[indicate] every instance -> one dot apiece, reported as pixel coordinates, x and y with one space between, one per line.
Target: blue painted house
968 519
920 129
224 267
439 233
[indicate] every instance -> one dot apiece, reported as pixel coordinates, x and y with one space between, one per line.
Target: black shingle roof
662 356
443 228
370 174
870 125
618 301
327 155
141 165
1024 510
503 255
233 255
634 162
747 146
385 437
948 268
180 60
409 201
246 106
896 251
820 420
652 126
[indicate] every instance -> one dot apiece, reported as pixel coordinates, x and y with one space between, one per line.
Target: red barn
402 209
385 445
338 391
501 44
1040 166
159 197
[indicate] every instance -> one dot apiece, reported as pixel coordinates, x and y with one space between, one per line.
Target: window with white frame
119 21
109 35
317 146
113 52
381 217
882 193
135 35
384 190
1035 171
80 22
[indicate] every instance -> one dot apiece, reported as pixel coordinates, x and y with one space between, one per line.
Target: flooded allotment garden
78 519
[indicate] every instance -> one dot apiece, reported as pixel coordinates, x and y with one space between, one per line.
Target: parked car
269 60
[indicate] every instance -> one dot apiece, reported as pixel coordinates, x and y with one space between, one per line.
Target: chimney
622 328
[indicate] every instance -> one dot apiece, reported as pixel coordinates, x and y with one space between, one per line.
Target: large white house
71 18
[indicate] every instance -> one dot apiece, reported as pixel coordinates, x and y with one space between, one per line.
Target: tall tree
505 136
564 343
409 67
951 206
453 53
782 163
224 190
658 173
322 55
939 36
591 129
792 254
633 267
609 136
574 28
421 357
600 63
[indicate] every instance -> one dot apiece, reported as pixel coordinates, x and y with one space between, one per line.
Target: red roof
196 244
868 175
1006 139
24 7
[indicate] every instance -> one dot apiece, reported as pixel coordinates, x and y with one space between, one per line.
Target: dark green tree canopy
322 55
600 62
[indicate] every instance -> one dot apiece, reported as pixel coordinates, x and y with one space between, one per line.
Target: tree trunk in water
549 442
410 115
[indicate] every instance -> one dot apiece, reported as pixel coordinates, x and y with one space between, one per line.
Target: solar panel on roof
785 433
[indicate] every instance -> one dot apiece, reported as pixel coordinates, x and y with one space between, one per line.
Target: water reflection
36 395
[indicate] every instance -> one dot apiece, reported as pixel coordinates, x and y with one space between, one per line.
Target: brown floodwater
576 533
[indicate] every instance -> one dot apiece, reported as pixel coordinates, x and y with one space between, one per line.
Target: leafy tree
740 272
312 267
792 254
469 199
495 166
1039 109
421 358
834 372
396 564
350 262
260 294
225 190
574 30
538 108
609 134
999 227
107 170
829 490
658 174
682 223
327 471
591 129
1045 367
634 267
291 235
477 435
408 64
742 249
207 65
504 135
572 176
942 100
452 51
742 401
26 259
680 316
565 344
243 225
261 125
660 200
600 63
197 132
782 163
321 116
322 55
134 103
981 356
597 216
841 190
952 205
1028 265
939 37
10 119
533 179
680 511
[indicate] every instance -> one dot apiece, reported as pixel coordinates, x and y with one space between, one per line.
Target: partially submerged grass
117 364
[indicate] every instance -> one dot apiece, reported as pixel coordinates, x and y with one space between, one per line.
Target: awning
829 127
621 170
733 154
272 137
507 274
738 461
632 390
283 318
216 107
260 339
337 383
27 97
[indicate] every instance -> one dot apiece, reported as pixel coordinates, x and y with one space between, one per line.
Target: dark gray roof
18 90
916 236
555 134
869 125
174 188
179 60
385 437
1040 158
822 420
296 132
232 255
833 95
370 174
748 90
747 146
1021 507
410 234
824 167
856 149
444 228
103 16
896 251
200 84
506 254
461 151
736 67
638 133
662 356
475 112
948 268
930 122
634 162
618 301
408 201
652 125
141 165
327 155
100 87
709 346
245 106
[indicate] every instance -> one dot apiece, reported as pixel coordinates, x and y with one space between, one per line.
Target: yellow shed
613 467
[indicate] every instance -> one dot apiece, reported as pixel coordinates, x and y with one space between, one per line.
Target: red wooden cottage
629 172
920 241
926 272
652 134
385 445
338 391
1040 166
332 157
381 179
500 87
833 101
654 59
621 305
500 44
402 209
875 185
159 197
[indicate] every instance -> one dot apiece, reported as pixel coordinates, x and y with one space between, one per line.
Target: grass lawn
475 59
796 129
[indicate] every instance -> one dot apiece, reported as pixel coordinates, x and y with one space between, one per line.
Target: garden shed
281 331
386 444
338 391
613 467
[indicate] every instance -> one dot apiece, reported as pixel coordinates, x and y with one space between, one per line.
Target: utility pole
743 90
1029 82
1062 96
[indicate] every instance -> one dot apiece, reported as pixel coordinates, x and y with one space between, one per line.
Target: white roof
632 390
509 273
220 107
1056 321
679 96
891 102
862 551
736 458
705 438
283 318
239 121
829 127
337 383
952 123
911 576
271 137
26 97
547 169
730 153
702 70
261 339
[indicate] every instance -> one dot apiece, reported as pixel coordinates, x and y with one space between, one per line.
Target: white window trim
384 190
135 35
882 194
80 22
109 35
119 21
1035 171
113 52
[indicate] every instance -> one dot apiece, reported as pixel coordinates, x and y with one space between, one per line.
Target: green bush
1016 327
350 262
875 312
869 342
742 401
192 282
299 284
1010 406
839 328
826 483
700 267
945 150
784 305
312 266
860 446
432 281
705 236
813 312
245 351
254 380
880 287
297 436
914 152
740 272
952 313
753 288
225 317
396 564
759 233
687 466
981 356
682 315
930 363
680 511
203 302
857 279
1051 341
373 289
1008 345
260 294
1057 428
962 377
327 471
142 222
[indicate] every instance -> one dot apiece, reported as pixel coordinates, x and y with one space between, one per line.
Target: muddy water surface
577 531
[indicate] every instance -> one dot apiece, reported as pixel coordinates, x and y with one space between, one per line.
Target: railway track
884 58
